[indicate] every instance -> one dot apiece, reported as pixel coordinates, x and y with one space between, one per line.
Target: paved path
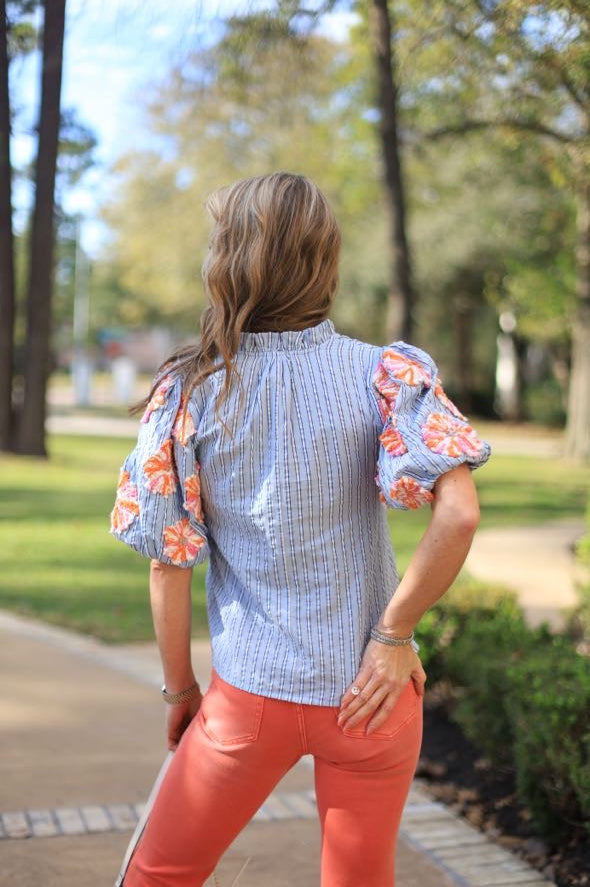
83 741
537 562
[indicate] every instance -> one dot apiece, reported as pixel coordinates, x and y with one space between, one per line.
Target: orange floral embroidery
450 437
392 440
381 496
184 425
160 472
192 494
409 493
182 542
158 398
386 386
404 368
442 396
126 506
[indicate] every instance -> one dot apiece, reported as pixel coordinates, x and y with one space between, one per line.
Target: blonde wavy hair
272 265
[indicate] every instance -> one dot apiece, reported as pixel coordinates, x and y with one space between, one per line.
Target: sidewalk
83 741
537 562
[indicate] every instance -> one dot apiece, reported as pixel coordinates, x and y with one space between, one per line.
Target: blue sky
113 50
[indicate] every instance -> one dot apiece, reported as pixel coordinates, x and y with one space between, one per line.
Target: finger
175 731
356 700
367 709
362 678
383 713
419 678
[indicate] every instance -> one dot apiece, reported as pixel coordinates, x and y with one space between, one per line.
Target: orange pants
235 751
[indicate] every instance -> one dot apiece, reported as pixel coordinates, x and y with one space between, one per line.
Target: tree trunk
577 439
7 299
31 438
402 292
462 308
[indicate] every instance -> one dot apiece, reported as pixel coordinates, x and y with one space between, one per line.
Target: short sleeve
158 510
423 433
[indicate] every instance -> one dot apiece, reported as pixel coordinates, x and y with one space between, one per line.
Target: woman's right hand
178 717
384 672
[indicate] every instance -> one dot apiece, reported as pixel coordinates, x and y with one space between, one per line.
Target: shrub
439 629
477 662
431 633
521 695
544 403
548 706
579 622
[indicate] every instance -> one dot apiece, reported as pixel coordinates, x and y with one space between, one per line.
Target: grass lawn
59 562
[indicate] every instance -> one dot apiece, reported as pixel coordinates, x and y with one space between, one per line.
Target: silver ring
355 690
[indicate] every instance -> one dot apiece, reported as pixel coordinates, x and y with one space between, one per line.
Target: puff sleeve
423 433
158 510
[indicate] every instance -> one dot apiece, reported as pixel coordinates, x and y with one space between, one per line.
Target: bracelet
182 696
378 635
394 642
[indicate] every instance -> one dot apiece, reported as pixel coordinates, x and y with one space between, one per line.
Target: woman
270 448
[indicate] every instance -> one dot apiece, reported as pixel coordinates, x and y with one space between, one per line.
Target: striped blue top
291 512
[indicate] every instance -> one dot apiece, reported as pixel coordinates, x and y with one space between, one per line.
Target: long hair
272 265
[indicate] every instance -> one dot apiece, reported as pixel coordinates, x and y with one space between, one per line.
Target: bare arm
170 596
439 556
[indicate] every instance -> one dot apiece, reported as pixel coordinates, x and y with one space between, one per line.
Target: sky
113 50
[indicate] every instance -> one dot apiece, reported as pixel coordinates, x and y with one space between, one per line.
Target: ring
355 690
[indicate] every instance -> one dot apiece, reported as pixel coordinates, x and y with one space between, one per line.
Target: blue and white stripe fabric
289 510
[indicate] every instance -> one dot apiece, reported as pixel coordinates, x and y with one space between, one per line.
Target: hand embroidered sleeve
158 509
424 434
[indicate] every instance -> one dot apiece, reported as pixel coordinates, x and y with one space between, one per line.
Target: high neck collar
287 340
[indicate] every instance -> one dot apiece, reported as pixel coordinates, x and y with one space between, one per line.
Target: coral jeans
236 750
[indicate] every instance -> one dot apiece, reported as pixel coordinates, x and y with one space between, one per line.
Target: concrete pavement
82 742
537 562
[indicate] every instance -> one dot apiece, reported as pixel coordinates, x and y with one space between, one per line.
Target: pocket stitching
252 736
380 733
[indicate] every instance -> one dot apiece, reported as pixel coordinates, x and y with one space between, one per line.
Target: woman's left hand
178 717
383 674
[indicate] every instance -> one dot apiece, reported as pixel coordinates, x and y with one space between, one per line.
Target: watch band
182 696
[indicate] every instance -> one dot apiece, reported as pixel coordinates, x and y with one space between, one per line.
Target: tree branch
502 122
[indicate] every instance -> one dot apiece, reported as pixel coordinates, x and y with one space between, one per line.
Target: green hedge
521 695
580 618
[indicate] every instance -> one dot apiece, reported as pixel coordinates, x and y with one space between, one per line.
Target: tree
7 289
264 97
31 429
402 295
524 71
17 37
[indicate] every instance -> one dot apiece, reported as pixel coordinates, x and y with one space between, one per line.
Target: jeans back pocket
230 715
404 710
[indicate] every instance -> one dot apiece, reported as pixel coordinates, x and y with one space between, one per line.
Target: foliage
579 622
521 695
548 707
261 98
491 217
544 403
469 618
477 660
22 36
